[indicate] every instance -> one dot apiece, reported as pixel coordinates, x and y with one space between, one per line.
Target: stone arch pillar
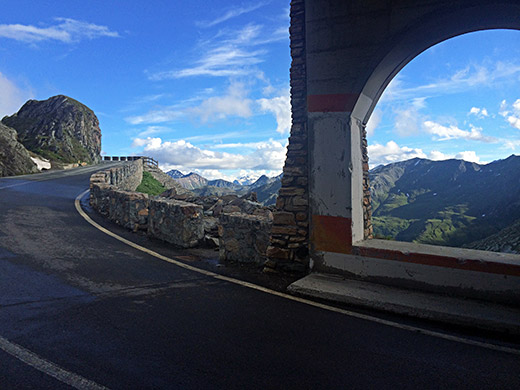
345 53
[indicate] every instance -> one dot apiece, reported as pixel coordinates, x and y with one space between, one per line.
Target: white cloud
407 121
436 155
479 112
215 137
66 31
12 97
246 145
228 54
392 152
471 77
280 106
453 132
373 122
152 130
512 117
232 13
265 156
512 144
233 103
503 108
514 121
161 115
468 155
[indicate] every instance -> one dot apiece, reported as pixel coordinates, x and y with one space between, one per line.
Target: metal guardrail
149 161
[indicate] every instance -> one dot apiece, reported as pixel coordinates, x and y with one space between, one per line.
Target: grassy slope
150 186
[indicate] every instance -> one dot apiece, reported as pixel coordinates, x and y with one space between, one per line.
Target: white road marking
47 367
291 297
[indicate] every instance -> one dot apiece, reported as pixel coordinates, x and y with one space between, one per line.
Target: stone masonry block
177 222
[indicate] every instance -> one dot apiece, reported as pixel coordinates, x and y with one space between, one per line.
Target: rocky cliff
14 158
59 128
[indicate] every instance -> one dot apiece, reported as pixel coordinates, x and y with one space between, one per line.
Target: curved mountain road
79 308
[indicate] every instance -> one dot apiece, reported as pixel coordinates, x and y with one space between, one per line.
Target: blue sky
204 86
458 99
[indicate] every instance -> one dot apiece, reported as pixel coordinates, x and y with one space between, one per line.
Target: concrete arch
429 31
344 54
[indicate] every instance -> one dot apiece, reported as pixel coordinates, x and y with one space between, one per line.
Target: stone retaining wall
243 238
125 177
176 222
112 195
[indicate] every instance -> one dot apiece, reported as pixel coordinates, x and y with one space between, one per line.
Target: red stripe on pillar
340 102
332 234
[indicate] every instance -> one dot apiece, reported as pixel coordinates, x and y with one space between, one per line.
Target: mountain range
265 187
451 202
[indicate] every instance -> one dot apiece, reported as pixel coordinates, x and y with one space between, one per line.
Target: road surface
81 309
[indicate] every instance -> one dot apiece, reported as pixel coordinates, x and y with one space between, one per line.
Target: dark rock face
59 128
14 158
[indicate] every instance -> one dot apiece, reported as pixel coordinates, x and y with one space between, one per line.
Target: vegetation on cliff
452 202
150 186
59 129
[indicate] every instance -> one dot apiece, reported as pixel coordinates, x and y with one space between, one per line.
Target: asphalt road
77 300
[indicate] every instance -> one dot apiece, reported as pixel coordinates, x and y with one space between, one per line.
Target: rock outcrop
506 240
14 158
59 128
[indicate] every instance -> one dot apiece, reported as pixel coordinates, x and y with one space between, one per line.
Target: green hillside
452 202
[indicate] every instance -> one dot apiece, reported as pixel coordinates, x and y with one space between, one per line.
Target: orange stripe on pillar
332 234
339 102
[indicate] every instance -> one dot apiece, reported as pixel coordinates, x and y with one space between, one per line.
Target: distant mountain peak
175 173
192 181
246 180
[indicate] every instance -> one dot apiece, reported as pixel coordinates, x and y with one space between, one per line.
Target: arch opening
443 138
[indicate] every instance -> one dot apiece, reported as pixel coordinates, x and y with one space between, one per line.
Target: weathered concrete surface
436 307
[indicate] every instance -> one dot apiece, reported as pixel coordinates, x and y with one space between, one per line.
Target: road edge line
253 286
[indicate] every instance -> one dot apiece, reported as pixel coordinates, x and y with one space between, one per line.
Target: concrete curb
459 311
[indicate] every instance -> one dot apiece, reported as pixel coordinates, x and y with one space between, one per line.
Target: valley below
450 203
